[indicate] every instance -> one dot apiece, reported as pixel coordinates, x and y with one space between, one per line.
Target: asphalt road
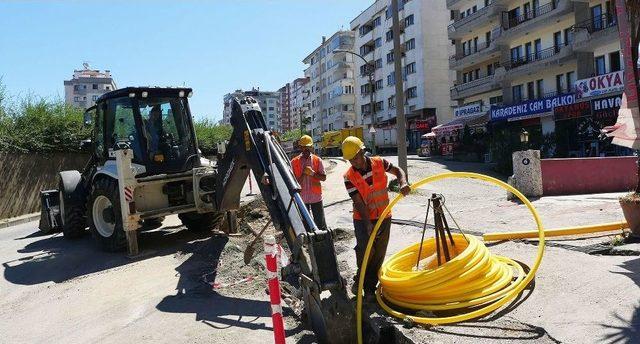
55 290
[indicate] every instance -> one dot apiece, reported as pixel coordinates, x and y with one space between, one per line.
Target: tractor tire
201 222
74 221
105 220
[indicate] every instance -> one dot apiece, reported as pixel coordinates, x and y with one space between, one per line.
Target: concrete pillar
527 173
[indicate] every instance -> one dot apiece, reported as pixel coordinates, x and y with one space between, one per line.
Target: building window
378 85
571 80
94 86
391 79
477 75
411 44
348 89
378 63
540 88
378 42
410 68
412 92
388 13
490 70
364 89
365 109
531 91
495 100
614 61
408 21
94 98
389 35
391 102
377 21
601 67
568 36
363 69
379 106
76 99
390 57
271 108
557 40
560 83
516 92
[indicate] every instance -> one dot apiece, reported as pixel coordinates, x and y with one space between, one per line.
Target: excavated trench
339 312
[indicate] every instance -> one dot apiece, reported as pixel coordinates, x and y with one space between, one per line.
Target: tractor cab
155 123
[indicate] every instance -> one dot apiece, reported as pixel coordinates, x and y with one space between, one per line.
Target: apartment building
517 63
87 85
331 85
285 107
269 104
298 103
426 74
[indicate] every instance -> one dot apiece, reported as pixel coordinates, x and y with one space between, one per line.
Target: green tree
291 135
209 134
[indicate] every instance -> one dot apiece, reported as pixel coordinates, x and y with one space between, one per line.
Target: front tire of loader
201 222
73 217
105 219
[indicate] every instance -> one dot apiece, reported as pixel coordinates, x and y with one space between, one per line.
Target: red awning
460 122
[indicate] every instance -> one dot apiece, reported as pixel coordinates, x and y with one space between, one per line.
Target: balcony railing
470 18
537 56
474 83
599 23
514 21
481 47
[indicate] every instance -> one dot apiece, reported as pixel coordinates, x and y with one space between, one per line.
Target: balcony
474 21
478 86
595 32
485 52
451 3
539 61
534 19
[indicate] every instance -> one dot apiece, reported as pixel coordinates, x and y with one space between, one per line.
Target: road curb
4 223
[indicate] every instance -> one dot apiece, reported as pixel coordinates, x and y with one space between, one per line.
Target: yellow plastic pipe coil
605 227
474 278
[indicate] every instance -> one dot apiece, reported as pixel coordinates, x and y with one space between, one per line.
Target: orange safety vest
376 196
296 163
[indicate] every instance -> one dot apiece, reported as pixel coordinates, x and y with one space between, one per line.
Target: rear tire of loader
105 219
201 222
73 217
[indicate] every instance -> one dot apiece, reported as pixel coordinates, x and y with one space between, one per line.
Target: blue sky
212 46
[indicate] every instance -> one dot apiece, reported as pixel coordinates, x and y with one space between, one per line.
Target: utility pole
370 68
372 108
400 119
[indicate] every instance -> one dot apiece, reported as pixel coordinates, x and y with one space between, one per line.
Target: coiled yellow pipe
474 277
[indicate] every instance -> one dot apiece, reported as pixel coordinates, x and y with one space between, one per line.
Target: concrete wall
22 176
588 175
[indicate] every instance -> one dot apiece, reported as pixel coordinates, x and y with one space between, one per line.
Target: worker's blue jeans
376 256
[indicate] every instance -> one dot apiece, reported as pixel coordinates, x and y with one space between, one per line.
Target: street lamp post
370 72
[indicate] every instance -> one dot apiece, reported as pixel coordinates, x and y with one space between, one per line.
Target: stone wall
22 176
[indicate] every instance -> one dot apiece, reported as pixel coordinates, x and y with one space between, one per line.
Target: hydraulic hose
605 227
474 278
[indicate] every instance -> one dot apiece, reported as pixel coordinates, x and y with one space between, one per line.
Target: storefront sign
467 110
530 108
599 85
606 108
446 149
577 110
423 125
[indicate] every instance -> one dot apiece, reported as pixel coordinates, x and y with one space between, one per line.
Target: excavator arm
253 147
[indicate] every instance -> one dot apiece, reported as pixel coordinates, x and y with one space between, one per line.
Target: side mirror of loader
88 117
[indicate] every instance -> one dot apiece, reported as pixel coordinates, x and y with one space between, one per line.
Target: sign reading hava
601 84
468 109
532 107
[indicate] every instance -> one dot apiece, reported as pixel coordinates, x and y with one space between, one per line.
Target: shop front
578 128
464 135
416 129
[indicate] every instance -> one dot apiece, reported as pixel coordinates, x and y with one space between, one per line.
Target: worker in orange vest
309 171
366 183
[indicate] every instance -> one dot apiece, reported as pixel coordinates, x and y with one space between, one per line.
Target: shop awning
460 122
429 135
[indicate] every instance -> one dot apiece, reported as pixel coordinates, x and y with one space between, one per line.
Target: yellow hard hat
351 146
305 141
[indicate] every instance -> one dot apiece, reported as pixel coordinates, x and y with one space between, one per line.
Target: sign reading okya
530 109
599 85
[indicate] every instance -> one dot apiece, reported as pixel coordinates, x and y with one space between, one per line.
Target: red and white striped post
271 255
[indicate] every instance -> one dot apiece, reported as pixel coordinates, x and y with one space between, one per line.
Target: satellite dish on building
85 65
